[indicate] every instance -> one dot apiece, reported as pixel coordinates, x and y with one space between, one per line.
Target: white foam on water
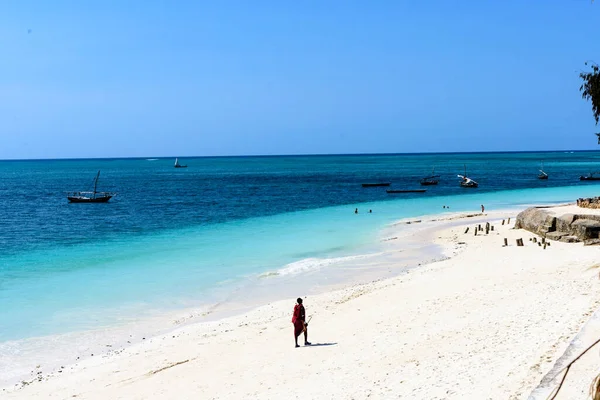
312 264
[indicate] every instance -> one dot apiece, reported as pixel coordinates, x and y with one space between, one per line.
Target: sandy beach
489 322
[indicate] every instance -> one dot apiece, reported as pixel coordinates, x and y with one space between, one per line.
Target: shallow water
181 238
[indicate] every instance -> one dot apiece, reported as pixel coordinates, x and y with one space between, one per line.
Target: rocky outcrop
536 220
566 228
591 202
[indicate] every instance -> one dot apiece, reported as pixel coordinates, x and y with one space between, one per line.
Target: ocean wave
311 264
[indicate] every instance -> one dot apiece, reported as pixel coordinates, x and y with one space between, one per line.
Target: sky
188 78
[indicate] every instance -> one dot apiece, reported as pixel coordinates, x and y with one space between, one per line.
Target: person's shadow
321 344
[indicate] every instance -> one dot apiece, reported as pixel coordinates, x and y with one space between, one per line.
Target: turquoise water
179 238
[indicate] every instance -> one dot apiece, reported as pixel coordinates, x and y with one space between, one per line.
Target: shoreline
419 324
74 347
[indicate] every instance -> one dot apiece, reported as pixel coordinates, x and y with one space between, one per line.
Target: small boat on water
542 174
90 197
592 176
467 182
376 184
433 179
407 191
177 165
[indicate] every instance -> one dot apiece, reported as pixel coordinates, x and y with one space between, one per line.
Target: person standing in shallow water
299 321
482 208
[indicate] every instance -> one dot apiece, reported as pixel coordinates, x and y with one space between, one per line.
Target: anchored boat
592 176
467 182
177 165
431 180
376 184
90 197
542 174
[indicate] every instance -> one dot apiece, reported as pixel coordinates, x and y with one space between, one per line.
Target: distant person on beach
299 321
356 211
482 208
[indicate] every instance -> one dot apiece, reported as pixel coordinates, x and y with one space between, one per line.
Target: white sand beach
487 323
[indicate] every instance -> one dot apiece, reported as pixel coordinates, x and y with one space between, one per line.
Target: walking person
299 321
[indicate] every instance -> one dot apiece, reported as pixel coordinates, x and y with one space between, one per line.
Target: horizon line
302 155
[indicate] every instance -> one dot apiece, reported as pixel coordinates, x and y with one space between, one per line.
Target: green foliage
590 89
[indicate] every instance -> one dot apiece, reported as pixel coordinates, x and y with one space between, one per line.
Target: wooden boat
90 197
592 176
467 182
177 165
542 174
407 191
431 180
376 184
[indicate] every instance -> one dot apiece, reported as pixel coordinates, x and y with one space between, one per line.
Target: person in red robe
299 321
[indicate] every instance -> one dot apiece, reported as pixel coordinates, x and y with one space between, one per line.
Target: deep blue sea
175 238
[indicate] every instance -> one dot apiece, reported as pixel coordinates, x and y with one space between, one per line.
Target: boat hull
589 178
429 183
543 177
376 184
469 185
181 166
103 199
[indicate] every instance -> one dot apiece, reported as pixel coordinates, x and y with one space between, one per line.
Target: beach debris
502 222
467 230
505 242
595 387
167 367
520 242
508 221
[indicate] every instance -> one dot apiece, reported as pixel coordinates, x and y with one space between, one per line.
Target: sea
197 237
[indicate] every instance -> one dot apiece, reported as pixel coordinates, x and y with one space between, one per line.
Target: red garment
298 319
298 313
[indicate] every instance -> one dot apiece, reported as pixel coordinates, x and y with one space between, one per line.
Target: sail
176 162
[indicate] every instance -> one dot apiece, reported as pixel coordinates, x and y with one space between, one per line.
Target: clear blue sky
183 78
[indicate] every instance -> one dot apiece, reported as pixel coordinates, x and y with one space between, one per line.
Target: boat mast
96 183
